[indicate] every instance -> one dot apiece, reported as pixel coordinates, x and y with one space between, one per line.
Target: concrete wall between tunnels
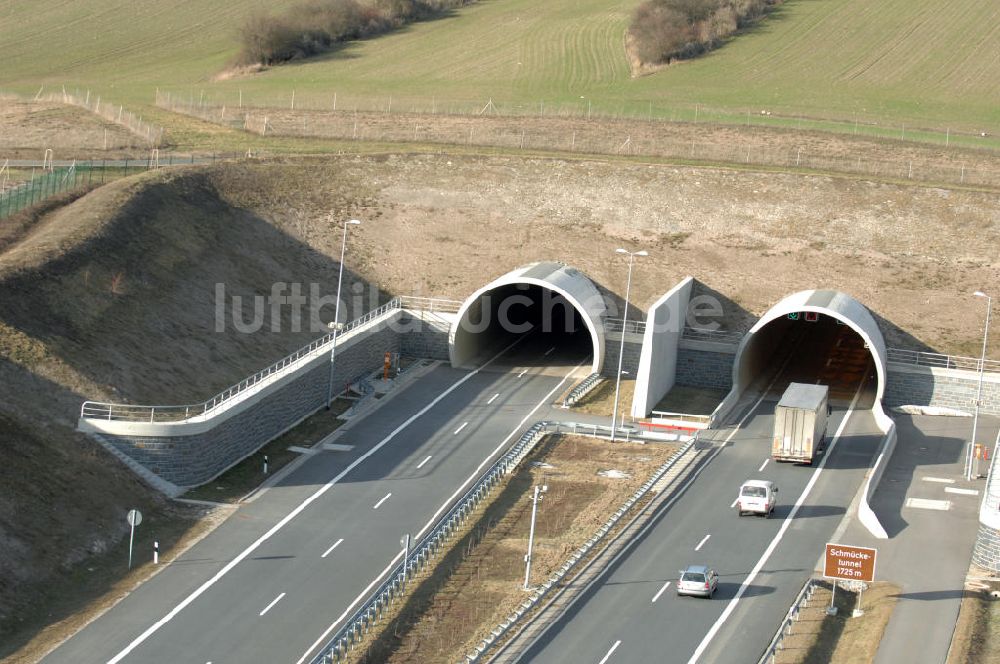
542 294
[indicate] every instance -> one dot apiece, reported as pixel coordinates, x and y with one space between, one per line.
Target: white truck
800 423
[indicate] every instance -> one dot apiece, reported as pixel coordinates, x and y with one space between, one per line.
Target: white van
757 497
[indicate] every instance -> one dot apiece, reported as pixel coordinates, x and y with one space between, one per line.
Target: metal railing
938 360
586 386
804 596
374 608
714 336
135 413
617 324
580 554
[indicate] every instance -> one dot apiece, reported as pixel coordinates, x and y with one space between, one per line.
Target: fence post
126 166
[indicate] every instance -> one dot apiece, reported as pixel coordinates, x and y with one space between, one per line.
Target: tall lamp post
979 392
336 314
621 348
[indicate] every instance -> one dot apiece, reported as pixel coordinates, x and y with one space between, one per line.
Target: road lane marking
276 600
382 501
152 629
613 648
421 464
464 424
785 524
430 523
964 492
702 543
522 373
734 502
660 591
762 465
940 480
335 545
492 398
681 490
926 504
550 350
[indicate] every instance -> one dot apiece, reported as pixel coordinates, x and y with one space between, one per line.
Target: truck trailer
800 423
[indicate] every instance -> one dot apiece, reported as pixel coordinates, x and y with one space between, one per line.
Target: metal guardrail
771 652
135 413
371 611
542 590
632 326
586 386
714 336
938 360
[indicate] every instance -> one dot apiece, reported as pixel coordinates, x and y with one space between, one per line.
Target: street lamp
531 534
979 393
621 348
336 314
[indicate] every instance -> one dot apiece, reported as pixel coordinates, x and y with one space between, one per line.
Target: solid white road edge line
492 398
152 629
464 424
762 466
660 592
700 650
613 648
421 464
384 498
434 518
275 601
335 545
702 543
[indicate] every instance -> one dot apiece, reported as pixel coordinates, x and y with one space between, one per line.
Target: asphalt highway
632 613
278 575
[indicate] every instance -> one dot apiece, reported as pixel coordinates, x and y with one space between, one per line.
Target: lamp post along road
621 348
979 391
336 313
531 534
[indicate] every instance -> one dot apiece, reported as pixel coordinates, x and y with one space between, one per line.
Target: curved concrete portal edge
577 289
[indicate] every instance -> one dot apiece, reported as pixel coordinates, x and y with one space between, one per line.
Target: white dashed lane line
613 648
276 600
702 543
379 503
492 398
464 424
660 591
421 464
335 545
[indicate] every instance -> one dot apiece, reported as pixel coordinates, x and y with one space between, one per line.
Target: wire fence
755 141
149 135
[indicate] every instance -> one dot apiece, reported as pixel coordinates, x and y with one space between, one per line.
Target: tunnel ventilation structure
803 334
545 312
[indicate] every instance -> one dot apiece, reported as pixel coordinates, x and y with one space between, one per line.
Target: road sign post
850 563
134 518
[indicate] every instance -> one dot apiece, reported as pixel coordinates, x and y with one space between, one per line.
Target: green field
898 63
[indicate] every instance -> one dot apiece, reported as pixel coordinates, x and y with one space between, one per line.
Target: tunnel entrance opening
809 347
538 326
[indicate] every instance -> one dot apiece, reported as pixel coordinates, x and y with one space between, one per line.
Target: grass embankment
977 633
478 582
904 62
840 639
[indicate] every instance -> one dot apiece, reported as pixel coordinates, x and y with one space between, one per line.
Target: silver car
697 580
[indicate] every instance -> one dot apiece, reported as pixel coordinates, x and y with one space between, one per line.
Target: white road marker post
134 518
405 541
156 553
265 464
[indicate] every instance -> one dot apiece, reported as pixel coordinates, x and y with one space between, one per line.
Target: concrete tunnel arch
565 285
758 345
